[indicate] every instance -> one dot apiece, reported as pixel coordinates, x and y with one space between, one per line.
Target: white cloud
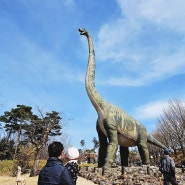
152 51
160 68
153 110
150 111
165 12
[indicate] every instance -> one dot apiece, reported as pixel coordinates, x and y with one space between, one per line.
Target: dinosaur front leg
112 143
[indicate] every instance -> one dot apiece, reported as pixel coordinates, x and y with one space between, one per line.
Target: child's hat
72 153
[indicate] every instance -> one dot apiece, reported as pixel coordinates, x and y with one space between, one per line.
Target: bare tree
66 140
171 125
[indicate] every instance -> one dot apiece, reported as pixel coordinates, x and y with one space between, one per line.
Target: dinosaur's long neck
96 99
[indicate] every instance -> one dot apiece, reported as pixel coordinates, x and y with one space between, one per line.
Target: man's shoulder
54 164
169 158
166 157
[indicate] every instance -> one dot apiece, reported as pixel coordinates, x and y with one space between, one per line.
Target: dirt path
6 180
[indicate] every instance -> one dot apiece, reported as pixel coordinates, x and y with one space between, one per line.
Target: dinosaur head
83 31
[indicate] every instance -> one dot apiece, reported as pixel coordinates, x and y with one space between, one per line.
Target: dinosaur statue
114 126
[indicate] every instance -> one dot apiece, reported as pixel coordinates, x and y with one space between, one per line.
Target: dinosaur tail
152 140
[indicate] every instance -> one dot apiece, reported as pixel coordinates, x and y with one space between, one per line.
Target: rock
134 175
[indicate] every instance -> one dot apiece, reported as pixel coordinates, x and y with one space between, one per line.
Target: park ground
8 180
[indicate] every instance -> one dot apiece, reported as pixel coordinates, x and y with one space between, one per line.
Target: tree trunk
18 141
34 169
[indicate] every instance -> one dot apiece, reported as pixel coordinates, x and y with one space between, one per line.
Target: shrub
6 166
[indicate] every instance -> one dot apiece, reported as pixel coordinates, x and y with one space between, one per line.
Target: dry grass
7 180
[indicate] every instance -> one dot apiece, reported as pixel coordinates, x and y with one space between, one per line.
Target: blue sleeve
66 178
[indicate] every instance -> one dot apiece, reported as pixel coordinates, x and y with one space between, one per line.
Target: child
72 155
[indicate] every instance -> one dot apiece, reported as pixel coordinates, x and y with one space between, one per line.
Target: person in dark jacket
167 168
54 172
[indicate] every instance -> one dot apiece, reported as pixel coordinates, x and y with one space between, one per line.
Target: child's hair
72 153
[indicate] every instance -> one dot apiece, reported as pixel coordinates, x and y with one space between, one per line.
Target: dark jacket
167 166
54 173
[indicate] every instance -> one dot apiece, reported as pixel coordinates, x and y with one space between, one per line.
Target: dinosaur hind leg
142 147
143 151
124 153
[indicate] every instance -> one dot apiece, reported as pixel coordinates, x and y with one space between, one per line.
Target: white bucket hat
72 153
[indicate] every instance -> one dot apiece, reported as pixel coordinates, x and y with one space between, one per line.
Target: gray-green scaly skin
114 126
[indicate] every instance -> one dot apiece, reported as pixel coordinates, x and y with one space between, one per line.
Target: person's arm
172 167
66 177
160 165
172 164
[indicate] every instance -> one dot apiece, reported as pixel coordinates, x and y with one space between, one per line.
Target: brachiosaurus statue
114 126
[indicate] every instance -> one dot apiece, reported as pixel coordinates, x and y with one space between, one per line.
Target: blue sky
140 55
